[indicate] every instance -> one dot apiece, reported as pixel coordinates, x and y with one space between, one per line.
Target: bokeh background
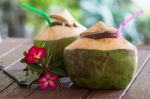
18 22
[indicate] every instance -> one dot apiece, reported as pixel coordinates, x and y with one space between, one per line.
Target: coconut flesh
101 60
64 30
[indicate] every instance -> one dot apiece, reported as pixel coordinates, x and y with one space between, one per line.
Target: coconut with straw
101 60
62 29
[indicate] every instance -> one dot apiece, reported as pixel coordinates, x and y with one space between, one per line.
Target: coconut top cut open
63 26
100 37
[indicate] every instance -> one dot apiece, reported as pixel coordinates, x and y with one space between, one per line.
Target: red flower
48 80
35 54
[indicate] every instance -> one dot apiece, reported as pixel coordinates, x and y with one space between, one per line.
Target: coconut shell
64 30
100 61
63 16
63 26
99 31
95 69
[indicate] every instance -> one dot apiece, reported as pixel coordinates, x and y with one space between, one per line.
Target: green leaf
25 53
58 68
59 72
57 64
22 60
36 68
39 43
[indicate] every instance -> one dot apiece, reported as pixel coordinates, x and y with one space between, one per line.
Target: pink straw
125 22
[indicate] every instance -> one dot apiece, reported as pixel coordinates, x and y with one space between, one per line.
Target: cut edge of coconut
101 44
58 32
64 16
99 28
101 37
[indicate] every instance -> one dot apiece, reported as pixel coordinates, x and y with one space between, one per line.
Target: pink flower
48 80
35 54
30 59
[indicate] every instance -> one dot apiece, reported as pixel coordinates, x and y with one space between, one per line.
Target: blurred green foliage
88 12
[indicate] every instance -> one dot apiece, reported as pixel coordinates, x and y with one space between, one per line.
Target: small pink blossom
49 79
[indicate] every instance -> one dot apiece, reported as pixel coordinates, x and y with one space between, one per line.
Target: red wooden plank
116 94
140 89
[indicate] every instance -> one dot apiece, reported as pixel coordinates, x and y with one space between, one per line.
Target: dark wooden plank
61 93
11 58
4 82
140 89
27 92
10 44
12 64
14 90
64 93
6 47
116 94
4 97
70 93
67 92
9 89
39 94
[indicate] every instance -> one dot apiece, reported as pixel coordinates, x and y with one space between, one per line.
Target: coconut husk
99 31
101 60
64 30
101 37
63 26
63 16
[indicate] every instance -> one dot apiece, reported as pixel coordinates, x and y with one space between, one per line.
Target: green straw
46 16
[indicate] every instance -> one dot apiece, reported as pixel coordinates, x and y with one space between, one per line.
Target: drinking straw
125 22
44 14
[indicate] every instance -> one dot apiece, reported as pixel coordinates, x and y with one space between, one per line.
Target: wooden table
11 51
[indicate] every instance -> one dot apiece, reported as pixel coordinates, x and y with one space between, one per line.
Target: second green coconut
101 60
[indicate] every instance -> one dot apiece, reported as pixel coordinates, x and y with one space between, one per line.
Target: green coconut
101 60
64 30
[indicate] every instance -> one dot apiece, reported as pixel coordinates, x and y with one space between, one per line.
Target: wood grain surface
11 51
